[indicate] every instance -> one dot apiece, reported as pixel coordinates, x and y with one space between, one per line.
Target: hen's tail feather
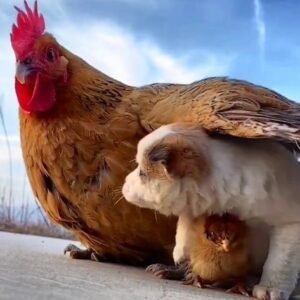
288 117
283 126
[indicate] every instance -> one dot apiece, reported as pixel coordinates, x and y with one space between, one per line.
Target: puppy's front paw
269 293
179 255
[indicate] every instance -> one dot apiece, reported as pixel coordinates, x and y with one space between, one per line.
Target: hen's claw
77 253
197 281
101 258
239 288
176 272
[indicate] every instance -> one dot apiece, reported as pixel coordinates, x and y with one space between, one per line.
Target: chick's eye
51 55
210 235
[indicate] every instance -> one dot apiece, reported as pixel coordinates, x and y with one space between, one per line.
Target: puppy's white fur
257 180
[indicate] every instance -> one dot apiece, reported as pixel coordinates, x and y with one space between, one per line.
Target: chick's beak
22 71
225 245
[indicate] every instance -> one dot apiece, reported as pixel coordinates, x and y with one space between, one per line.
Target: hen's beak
22 70
225 245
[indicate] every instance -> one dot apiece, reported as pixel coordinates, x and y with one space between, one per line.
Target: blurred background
140 42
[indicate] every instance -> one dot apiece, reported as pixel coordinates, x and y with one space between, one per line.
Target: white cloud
148 3
121 55
183 70
7 70
260 27
15 155
10 138
15 149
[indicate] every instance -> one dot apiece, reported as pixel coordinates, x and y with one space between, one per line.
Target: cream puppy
184 172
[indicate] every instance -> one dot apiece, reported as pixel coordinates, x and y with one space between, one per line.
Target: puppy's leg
184 236
181 252
280 271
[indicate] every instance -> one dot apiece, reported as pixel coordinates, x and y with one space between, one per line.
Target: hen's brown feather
78 155
229 106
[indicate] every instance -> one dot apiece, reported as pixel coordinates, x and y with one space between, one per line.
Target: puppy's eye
142 173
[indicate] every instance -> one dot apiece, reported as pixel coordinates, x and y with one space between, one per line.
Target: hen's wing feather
229 106
77 174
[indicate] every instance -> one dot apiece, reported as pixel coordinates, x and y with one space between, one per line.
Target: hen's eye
51 55
27 61
142 173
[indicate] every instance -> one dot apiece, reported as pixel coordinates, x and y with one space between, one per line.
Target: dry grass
36 229
26 218
22 215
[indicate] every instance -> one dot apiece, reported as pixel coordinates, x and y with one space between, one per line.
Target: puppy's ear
159 154
173 158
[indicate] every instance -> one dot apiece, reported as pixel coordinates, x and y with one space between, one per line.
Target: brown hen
79 130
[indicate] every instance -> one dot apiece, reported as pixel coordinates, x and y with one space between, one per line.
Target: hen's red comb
29 26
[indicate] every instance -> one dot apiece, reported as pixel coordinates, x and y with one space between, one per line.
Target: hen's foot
76 253
176 272
197 281
241 289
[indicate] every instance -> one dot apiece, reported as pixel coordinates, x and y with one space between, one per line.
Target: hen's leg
280 271
195 280
76 253
174 272
180 253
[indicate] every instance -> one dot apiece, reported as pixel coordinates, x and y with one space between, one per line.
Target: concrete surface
34 268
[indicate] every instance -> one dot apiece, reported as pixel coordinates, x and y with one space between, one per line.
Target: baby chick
219 253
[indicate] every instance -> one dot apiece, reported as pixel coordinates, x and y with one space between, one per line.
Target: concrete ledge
34 268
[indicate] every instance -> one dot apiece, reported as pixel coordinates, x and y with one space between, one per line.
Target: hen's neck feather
90 101
88 88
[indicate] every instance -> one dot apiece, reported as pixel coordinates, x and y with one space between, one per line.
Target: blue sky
144 41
